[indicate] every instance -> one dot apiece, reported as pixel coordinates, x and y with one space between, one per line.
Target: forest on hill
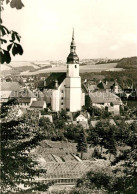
128 63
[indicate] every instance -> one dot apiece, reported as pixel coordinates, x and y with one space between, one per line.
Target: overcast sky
103 28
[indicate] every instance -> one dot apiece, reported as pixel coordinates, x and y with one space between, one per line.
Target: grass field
37 69
85 68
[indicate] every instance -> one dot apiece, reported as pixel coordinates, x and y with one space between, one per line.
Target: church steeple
72 57
73 45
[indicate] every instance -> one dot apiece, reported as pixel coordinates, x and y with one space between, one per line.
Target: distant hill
128 63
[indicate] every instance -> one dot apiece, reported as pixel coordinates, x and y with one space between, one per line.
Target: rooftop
107 85
104 97
24 100
50 81
9 86
25 93
37 104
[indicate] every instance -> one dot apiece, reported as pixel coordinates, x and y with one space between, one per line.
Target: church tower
73 80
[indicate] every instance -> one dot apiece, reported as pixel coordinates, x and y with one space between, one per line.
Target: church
63 90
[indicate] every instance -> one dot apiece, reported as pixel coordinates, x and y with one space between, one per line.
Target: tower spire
72 58
73 34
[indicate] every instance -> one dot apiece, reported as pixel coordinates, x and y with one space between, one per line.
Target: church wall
73 82
67 98
62 96
73 70
55 100
73 99
73 93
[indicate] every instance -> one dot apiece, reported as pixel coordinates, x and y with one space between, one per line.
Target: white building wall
24 105
62 96
81 118
73 93
55 100
73 70
73 99
45 105
114 109
116 89
82 99
31 100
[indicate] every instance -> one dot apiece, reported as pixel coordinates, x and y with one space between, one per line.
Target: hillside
128 63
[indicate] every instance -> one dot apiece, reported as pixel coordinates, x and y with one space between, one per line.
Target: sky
103 28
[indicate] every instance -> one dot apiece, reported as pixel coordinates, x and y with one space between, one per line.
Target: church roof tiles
54 77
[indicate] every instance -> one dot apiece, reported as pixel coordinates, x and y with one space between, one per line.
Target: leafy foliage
72 132
16 4
82 143
9 39
19 136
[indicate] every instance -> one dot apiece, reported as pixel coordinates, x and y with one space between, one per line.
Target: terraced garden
62 163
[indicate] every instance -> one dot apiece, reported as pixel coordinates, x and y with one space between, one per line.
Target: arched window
75 66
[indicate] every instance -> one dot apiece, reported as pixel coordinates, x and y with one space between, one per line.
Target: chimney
56 83
44 82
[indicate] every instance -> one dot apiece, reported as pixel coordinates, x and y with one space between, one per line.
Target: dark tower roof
72 57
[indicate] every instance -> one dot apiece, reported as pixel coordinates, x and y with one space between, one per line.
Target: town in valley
82 116
68 124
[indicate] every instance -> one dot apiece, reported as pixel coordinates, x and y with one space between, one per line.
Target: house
83 123
107 100
63 90
129 122
8 88
4 96
91 86
82 120
25 97
39 105
111 86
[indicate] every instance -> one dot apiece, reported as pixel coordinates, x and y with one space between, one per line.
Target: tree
88 103
82 143
72 132
93 137
109 180
97 135
9 39
18 137
47 127
110 145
